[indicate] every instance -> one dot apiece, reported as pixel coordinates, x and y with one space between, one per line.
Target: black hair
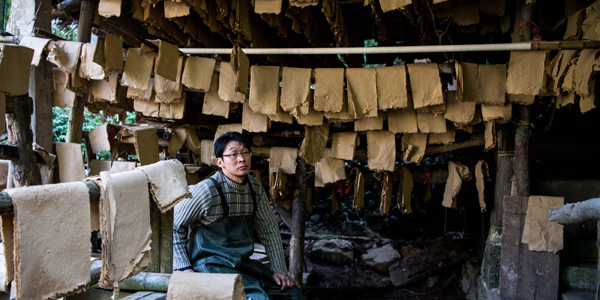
224 139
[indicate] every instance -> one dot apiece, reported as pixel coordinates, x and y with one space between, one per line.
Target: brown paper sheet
465 13
284 159
173 111
267 6
52 227
303 3
425 85
442 138
388 5
557 69
264 89
362 92
586 103
492 84
99 139
312 118
329 170
225 128
564 99
70 162
457 173
540 233
277 185
431 123
573 31
105 90
281 117
167 183
213 105
176 9
520 99
113 53
458 111
148 109
490 112
358 197
146 145
184 286
15 66
138 68
391 87
526 72
146 95
241 66
61 96
343 145
343 115
166 60
490 135
37 44
481 176
584 71
329 89
468 89
413 145
367 124
125 222
109 8
405 190
254 122
122 166
208 152
227 85
65 55
386 193
314 143
381 158
88 69
295 88
167 90
568 84
198 73
97 166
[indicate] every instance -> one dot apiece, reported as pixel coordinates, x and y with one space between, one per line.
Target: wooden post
298 220
84 32
18 124
166 242
521 159
504 172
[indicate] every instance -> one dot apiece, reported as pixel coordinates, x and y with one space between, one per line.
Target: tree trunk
298 220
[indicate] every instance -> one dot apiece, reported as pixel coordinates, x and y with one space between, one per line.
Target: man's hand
283 280
189 270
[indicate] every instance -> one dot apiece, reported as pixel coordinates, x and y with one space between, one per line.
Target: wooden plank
509 257
166 242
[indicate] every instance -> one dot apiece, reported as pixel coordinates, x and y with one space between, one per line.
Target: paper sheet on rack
88 69
264 89
166 60
312 118
442 138
15 67
174 110
284 159
329 89
295 87
526 72
227 85
492 84
267 6
457 173
198 73
362 92
381 158
431 123
113 52
391 88
138 68
540 233
458 111
99 139
37 44
329 170
388 5
468 89
146 145
314 143
413 145
109 8
241 66
61 96
105 90
147 108
70 162
426 85
402 121
168 91
366 124
213 105
491 112
208 152
167 183
97 166
254 122
481 172
490 135
184 286
343 145
65 55
175 9
584 71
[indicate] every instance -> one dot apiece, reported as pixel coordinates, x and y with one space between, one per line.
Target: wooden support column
298 221
18 126
84 33
521 159
504 171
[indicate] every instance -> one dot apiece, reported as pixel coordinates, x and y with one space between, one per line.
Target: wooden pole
576 212
298 220
504 172
84 32
521 159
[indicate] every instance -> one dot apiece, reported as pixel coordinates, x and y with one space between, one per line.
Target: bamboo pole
298 223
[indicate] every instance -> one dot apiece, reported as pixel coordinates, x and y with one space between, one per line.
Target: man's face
235 162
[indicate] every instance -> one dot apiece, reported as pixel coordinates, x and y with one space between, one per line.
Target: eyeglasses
238 155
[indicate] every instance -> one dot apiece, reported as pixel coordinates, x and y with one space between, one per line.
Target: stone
315 218
470 272
337 252
381 258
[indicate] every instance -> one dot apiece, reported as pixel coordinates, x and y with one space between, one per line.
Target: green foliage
60 122
67 32
4 13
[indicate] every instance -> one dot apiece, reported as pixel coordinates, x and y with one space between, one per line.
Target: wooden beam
298 222
521 159
576 212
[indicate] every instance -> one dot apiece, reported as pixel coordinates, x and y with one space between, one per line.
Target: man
224 212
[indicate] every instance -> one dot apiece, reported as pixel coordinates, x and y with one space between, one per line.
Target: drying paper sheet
368 124
122 166
148 109
391 87
225 128
413 147
457 173
65 55
166 60
492 84
88 69
329 170
402 121
386 193
481 169
442 138
198 72
425 84
70 162
526 72
431 123
241 66
343 145
520 99
109 8
105 90
468 89
208 152
329 89
176 9
167 183
15 66
584 71
388 5
184 286
295 86
312 118
113 52
405 190
283 159
254 122
459 111
540 233
489 135
381 158
97 166
491 112
142 95
174 110
52 240
227 85
343 115
281 117
264 89
314 143
267 6
362 92
125 221
37 44
168 91
213 105
61 96
138 68
99 139
146 145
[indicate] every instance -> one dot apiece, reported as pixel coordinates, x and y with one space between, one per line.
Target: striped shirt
205 208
